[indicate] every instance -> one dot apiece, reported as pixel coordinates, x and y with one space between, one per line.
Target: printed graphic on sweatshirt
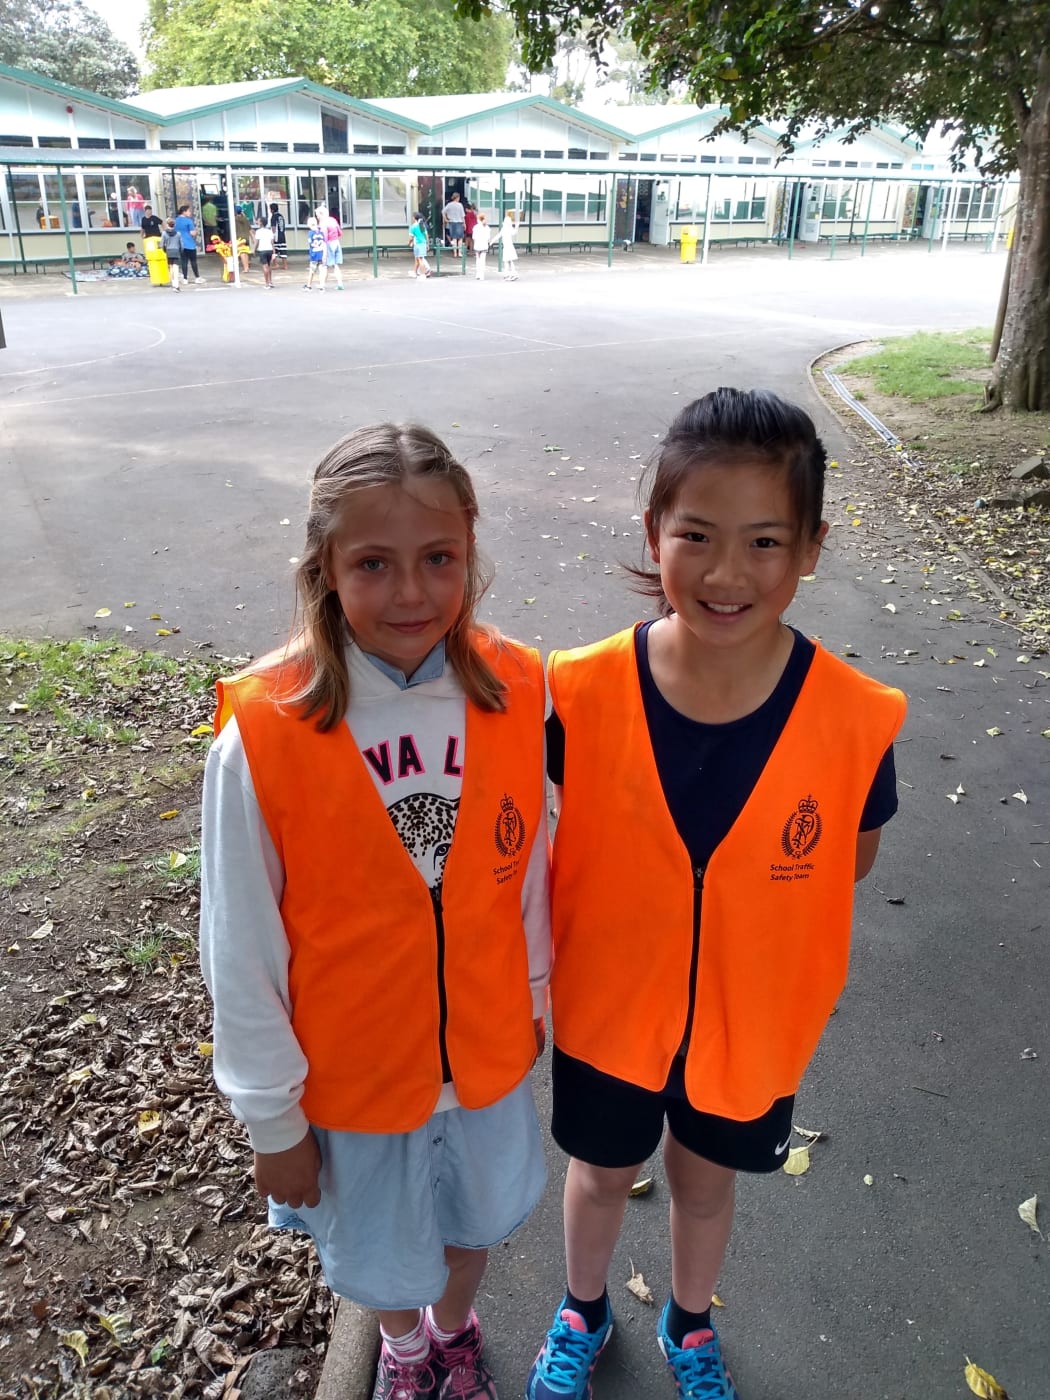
425 824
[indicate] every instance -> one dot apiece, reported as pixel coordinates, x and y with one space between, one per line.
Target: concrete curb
350 1364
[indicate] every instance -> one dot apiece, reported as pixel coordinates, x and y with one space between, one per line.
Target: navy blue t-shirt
708 771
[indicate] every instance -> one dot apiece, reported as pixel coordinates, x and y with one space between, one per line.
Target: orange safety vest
385 983
768 921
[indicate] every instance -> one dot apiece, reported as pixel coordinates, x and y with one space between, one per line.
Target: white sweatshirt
413 743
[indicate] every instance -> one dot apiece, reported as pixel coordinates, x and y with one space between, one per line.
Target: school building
76 168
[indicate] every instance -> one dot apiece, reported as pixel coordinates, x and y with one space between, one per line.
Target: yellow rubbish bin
690 238
156 261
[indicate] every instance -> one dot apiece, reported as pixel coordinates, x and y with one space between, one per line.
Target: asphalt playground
155 450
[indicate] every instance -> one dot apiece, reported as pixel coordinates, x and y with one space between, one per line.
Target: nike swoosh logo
782 1146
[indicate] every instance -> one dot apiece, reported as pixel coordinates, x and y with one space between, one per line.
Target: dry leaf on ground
1027 1211
637 1285
983 1384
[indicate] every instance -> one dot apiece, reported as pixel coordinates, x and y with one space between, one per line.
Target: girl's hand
290 1177
540 1027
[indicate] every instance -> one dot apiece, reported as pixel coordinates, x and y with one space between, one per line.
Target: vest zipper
694 961
439 925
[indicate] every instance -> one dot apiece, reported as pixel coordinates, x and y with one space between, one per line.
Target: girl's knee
603 1186
697 1185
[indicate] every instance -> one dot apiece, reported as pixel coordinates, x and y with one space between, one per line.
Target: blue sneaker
697 1366
568 1357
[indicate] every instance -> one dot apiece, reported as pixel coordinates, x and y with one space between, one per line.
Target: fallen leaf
101 612
202 731
994 732
797 1161
808 1133
1027 1211
44 929
205 1048
118 1325
154 617
642 1186
983 1384
869 1180
889 607
167 816
637 1285
1021 795
176 860
78 1342
130 605
529 600
163 631
149 1122
716 1301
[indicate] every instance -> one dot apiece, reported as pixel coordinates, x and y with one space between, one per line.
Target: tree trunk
1021 377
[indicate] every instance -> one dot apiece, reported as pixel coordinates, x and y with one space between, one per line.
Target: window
176 145
553 155
391 201
596 206
433 150
533 153
552 200
763 160
393 150
975 202
244 146
648 155
334 133
707 160
53 197
17 141
361 149
746 202
745 160
274 146
88 143
310 192
505 151
130 143
838 201
306 147
599 155
481 150
214 146
688 160
56 143
691 203
577 153
455 150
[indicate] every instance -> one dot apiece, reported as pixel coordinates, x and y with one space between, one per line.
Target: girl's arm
867 850
258 1062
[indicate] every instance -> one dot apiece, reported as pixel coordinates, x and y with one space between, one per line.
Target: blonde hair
384 454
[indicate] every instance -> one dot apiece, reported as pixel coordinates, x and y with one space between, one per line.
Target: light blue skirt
390 1203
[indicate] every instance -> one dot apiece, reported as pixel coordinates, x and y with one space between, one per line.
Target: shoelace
464 1354
700 1372
410 1379
562 1362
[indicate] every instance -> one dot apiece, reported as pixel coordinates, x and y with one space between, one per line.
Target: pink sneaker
398 1380
459 1362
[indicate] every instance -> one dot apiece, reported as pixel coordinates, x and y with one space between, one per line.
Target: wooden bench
41 262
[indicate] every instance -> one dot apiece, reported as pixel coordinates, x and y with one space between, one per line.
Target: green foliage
65 40
923 366
368 48
842 64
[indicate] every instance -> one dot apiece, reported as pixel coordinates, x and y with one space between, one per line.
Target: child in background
418 235
262 236
374 908
280 236
171 242
315 245
480 238
701 927
507 234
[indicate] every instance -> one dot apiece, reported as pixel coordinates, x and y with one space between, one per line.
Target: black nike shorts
608 1122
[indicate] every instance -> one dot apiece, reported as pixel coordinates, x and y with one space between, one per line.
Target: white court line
98 360
463 326
9 404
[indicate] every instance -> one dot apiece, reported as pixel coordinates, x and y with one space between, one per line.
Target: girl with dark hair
374 908
722 781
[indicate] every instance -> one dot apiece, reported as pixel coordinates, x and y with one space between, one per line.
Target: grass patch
924 366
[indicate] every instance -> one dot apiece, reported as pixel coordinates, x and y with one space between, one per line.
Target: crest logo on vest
510 828
802 830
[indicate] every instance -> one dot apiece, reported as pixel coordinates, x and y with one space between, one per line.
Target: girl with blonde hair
374 928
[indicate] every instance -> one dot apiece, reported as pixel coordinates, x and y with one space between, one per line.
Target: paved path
151 448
